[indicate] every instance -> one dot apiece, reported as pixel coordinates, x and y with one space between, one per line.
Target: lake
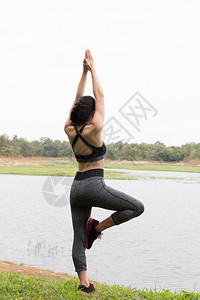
159 248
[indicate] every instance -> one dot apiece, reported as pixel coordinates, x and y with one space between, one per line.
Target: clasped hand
88 63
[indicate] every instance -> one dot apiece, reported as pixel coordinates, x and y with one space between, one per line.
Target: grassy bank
68 169
153 167
16 286
63 167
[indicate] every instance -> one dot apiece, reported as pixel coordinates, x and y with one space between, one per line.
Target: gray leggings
89 190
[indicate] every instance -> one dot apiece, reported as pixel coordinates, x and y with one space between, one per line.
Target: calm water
160 248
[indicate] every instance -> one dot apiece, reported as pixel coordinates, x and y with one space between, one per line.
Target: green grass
55 167
50 168
153 167
56 170
15 286
63 167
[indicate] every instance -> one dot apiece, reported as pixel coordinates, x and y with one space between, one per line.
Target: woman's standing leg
79 220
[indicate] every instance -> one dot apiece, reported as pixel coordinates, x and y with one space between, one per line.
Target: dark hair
82 110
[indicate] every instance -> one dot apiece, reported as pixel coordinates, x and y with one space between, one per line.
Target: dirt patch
15 161
191 163
137 162
37 161
31 271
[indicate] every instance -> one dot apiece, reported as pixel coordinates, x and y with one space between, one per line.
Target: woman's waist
96 172
82 167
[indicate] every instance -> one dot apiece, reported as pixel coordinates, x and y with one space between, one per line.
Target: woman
84 129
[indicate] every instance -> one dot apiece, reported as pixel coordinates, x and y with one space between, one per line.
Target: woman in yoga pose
84 128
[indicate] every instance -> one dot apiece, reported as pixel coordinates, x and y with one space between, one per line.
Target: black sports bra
97 152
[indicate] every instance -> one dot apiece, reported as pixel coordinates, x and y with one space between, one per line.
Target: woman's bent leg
107 223
98 194
127 206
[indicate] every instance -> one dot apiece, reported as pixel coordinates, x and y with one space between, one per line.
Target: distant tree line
46 147
157 151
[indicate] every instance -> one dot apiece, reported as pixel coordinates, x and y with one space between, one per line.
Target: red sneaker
91 233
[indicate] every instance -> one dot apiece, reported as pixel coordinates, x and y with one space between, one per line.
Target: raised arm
79 93
98 118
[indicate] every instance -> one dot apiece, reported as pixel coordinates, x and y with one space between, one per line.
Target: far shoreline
63 166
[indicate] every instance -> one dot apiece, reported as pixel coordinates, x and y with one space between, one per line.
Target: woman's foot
91 233
85 289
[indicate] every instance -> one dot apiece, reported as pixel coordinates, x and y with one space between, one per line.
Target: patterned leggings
89 190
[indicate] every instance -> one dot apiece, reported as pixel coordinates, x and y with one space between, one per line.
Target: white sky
152 47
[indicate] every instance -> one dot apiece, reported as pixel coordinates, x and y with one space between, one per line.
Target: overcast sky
147 56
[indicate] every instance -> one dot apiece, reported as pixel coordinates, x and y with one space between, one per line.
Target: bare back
94 137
